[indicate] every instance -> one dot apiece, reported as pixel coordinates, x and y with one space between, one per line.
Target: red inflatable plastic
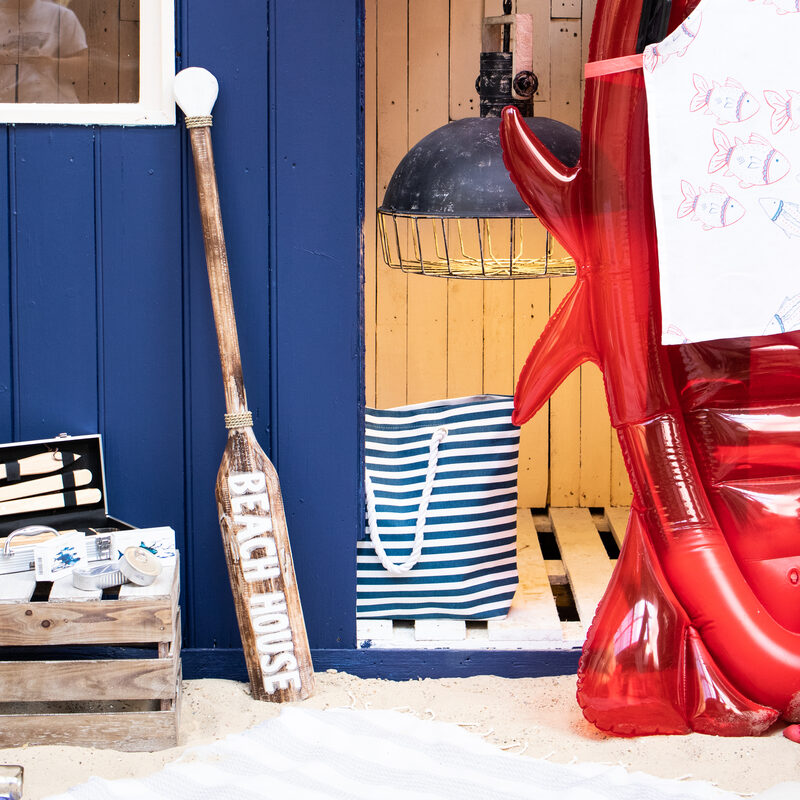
699 629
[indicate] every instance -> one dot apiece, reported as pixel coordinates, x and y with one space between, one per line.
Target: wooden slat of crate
131 731
93 679
533 615
98 680
101 679
64 589
585 559
17 587
130 619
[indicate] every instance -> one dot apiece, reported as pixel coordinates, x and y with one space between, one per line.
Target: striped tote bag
441 486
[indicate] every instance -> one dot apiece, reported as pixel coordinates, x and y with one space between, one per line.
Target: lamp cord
506 28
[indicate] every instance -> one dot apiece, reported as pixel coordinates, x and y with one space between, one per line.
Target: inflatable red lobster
699 629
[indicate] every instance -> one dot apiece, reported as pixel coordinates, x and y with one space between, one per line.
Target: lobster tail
644 668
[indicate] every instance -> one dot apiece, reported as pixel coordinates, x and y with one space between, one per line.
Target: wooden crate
87 669
565 558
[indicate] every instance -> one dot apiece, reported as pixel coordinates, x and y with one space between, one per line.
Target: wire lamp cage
450 208
478 247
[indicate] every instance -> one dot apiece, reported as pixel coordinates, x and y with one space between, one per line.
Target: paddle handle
218 276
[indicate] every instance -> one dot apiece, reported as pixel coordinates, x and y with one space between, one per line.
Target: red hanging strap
596 69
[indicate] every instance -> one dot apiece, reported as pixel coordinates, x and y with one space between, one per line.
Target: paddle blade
262 574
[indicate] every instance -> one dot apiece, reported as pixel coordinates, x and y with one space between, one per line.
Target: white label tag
158 541
58 557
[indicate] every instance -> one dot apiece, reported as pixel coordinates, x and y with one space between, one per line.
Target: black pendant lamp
450 208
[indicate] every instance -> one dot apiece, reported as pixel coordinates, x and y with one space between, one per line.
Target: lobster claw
552 191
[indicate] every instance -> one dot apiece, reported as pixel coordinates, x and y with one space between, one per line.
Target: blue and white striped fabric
468 564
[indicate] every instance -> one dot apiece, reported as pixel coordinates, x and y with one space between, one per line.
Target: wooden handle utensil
52 483
48 502
248 493
40 464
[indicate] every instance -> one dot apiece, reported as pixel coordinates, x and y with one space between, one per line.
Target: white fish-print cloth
723 94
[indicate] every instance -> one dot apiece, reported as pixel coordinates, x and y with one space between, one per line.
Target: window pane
69 51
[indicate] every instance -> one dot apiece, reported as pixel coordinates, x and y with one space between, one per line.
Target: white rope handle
403 568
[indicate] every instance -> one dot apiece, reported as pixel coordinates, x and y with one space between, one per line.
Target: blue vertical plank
104 294
139 251
230 40
317 362
7 338
57 384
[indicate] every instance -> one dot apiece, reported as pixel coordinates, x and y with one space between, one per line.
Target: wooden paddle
248 494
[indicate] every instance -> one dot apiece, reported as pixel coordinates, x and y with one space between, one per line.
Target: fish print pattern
786 318
713 208
676 335
785 110
728 102
754 162
676 44
785 215
784 6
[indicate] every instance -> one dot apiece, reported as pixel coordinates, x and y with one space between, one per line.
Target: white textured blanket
383 755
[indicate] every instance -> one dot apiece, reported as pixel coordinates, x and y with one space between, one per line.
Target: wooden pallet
565 558
82 668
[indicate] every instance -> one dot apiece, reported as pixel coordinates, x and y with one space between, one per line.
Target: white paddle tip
196 91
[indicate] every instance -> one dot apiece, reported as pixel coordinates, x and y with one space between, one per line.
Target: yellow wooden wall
430 338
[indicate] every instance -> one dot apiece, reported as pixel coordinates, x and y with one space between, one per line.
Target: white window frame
156 104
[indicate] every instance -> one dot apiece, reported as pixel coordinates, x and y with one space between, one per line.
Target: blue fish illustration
65 557
787 317
784 214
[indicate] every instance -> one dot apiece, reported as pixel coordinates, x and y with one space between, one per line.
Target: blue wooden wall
106 306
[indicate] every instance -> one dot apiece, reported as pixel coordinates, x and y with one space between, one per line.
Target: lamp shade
458 171
451 209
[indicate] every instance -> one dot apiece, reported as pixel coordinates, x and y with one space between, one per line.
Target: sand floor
537 716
